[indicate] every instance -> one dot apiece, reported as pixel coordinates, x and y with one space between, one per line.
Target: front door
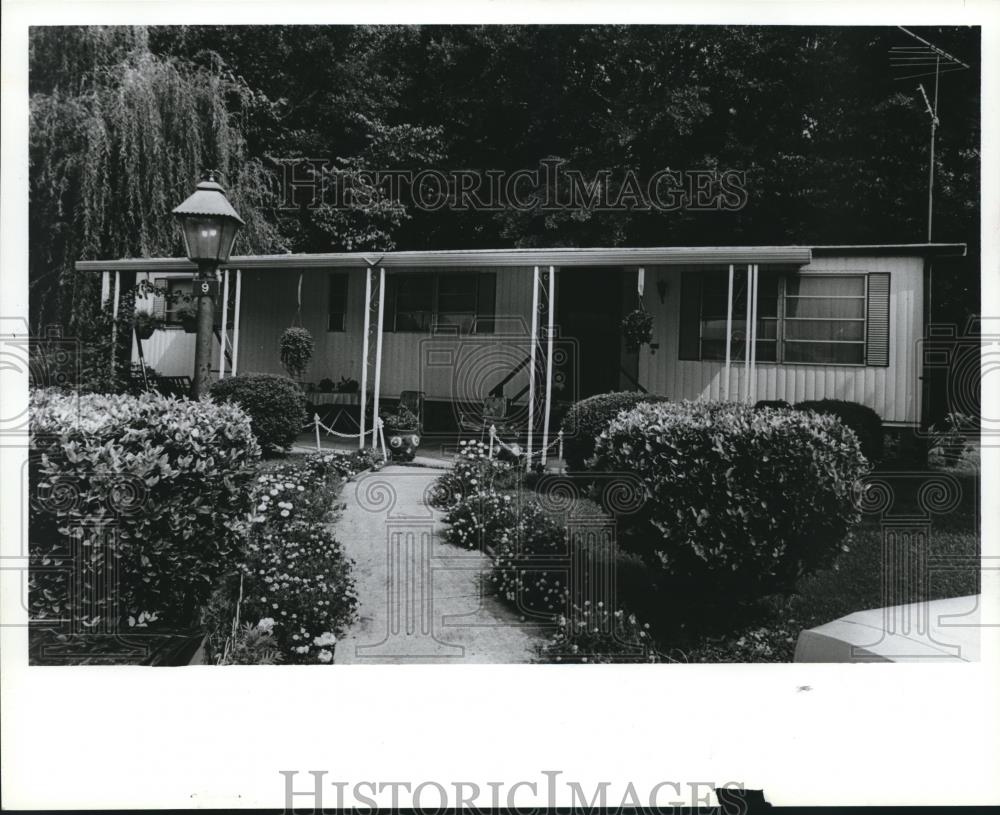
588 309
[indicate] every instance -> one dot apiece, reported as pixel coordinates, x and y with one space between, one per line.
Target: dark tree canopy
834 147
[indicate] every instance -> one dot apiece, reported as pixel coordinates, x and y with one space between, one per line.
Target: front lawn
853 584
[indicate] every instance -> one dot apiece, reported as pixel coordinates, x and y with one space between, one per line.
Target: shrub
517 576
864 421
772 403
275 404
593 634
541 568
481 518
472 471
586 419
740 502
156 486
252 645
298 575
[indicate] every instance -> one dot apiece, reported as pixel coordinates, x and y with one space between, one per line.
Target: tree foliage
118 136
834 147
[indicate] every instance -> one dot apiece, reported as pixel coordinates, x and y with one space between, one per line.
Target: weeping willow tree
118 137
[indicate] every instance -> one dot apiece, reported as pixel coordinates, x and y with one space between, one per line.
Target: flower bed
292 594
539 569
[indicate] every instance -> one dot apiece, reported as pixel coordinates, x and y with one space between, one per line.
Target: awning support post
364 358
729 329
114 320
236 321
531 364
752 384
746 338
223 334
378 358
551 294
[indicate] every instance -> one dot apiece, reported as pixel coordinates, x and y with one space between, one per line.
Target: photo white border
217 737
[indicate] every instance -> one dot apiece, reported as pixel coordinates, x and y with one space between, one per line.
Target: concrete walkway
420 600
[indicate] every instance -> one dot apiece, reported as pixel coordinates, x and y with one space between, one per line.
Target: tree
118 136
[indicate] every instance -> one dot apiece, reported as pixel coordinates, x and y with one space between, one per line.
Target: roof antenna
921 59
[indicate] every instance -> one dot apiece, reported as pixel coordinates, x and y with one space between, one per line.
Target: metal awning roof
562 257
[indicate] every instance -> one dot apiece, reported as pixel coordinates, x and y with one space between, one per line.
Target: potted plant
401 430
145 324
637 329
296 350
326 385
347 385
187 313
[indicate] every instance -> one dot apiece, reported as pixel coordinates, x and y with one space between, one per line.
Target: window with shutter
818 319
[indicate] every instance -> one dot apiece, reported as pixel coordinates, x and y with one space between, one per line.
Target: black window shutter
877 340
486 302
689 346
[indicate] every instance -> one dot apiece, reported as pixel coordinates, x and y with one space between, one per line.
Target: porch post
236 321
378 354
752 384
548 363
364 358
531 363
223 336
746 337
105 287
114 320
729 329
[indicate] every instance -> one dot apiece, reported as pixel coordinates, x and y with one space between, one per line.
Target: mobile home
542 327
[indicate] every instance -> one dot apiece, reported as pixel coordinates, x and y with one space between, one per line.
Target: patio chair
414 402
493 413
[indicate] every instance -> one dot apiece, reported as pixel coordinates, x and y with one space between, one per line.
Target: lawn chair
414 402
493 414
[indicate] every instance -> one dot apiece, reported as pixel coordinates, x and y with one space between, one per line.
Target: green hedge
275 404
864 421
151 491
589 417
740 502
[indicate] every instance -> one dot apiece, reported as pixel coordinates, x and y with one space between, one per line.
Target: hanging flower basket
637 329
145 324
296 350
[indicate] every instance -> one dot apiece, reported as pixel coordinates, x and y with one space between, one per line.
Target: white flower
302 649
325 639
266 624
324 656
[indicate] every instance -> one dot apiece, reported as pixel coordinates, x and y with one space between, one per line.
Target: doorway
589 314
